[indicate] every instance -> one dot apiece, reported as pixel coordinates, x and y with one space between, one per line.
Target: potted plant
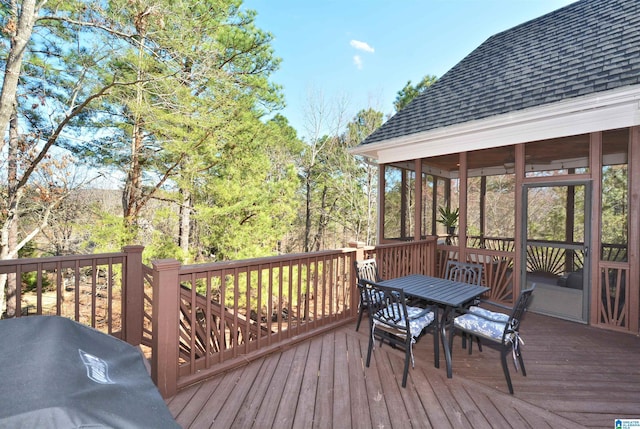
449 218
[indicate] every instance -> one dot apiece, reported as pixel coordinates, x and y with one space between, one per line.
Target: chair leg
371 340
436 345
407 358
505 368
360 311
524 371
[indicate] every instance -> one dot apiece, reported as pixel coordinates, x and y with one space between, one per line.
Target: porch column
462 203
595 168
417 211
483 208
518 261
634 228
381 202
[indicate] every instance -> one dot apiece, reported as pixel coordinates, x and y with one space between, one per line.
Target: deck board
577 376
257 390
341 409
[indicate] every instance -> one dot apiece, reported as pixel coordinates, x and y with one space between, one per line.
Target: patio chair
465 272
499 329
397 323
366 269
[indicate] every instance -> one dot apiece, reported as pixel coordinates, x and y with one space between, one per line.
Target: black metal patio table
446 294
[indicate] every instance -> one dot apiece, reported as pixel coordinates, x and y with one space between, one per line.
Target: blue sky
365 51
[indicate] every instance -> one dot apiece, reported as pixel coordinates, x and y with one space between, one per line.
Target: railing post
166 325
359 246
358 255
133 301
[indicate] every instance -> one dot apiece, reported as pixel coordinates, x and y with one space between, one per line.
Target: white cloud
357 61
362 46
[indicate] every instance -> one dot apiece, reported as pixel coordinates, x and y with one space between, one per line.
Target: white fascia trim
608 110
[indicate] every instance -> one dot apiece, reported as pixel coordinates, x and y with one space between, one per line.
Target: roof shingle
587 47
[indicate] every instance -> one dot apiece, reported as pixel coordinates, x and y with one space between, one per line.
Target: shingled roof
584 48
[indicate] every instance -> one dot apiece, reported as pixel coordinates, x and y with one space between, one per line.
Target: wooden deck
577 376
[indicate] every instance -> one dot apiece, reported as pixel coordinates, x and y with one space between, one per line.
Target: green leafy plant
448 217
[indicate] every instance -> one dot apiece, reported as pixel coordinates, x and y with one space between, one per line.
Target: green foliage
30 282
448 217
409 92
108 233
246 202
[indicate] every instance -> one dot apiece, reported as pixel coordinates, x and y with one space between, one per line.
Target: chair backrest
387 304
513 325
367 269
464 272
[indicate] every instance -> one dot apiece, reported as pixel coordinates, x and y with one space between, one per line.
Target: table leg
436 341
445 344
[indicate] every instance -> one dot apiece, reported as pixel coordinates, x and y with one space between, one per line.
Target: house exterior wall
620 280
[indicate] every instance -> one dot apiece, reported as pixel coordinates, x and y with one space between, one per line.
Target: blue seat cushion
476 325
377 297
419 318
488 314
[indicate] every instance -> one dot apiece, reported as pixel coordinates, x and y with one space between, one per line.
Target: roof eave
600 111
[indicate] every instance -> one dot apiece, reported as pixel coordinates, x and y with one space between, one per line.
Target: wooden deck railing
101 290
404 258
199 320
231 312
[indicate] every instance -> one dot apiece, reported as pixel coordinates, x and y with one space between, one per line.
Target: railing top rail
30 264
244 263
431 238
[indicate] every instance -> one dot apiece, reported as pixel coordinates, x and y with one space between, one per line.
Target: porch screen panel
427 210
614 268
491 199
615 202
399 203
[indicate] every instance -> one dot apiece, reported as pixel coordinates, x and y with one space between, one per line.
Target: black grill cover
56 373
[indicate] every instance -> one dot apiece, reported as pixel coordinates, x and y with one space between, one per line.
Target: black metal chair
393 321
499 329
366 269
464 272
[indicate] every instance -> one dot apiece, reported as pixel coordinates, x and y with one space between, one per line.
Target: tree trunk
185 221
9 240
20 34
307 222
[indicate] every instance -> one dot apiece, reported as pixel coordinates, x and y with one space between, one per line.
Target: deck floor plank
239 391
414 407
342 396
290 392
268 404
246 416
395 406
360 415
309 392
577 376
380 417
193 408
323 411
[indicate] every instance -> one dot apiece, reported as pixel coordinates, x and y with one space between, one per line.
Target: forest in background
171 105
